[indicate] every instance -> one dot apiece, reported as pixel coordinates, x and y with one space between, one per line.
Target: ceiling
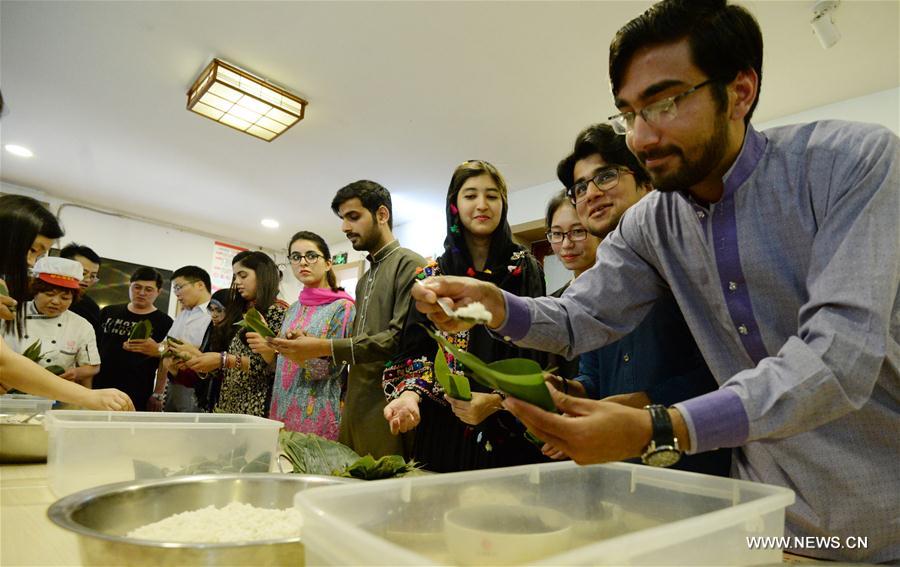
399 92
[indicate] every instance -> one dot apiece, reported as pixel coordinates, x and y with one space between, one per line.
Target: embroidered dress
249 392
307 397
443 442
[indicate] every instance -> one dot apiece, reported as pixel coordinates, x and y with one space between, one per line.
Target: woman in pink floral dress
307 397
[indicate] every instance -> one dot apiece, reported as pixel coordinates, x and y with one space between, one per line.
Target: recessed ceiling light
20 151
270 223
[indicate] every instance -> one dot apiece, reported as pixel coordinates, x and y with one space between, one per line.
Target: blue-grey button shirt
789 284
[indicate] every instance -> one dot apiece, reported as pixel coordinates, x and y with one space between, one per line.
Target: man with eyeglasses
90 261
174 390
658 362
783 251
131 364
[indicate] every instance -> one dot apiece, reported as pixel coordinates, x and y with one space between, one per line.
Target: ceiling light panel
241 100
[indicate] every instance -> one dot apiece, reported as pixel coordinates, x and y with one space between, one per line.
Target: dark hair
600 139
73 249
372 196
22 219
193 274
475 168
147 274
724 40
40 286
221 334
559 199
222 296
320 243
267 279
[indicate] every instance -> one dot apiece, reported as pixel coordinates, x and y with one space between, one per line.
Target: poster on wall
223 254
115 279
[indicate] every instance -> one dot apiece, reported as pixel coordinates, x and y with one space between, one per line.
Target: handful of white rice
475 310
236 522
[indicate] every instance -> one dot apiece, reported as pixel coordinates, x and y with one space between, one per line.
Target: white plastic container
24 404
621 514
90 448
22 435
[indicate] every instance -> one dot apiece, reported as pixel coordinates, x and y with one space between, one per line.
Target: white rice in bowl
236 522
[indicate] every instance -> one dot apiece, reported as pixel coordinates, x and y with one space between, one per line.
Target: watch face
663 457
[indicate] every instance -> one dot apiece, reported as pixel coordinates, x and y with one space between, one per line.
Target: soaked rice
475 310
236 522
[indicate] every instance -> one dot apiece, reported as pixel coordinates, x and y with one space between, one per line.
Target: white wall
526 205
172 247
140 242
877 108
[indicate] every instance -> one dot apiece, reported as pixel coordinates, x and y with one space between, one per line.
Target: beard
692 171
367 242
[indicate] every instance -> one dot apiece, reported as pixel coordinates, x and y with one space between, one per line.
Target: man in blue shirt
658 362
781 249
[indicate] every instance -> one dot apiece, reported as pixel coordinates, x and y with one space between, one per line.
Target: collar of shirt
32 312
751 152
384 252
202 307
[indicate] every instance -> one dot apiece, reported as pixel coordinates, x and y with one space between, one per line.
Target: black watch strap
663 433
663 450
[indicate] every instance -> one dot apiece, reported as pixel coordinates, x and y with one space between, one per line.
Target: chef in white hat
68 345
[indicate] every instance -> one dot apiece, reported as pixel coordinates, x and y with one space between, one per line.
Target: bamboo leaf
460 386
456 386
141 330
33 353
311 454
255 322
519 377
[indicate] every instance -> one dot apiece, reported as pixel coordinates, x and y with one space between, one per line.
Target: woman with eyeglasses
450 434
307 395
246 376
576 249
27 230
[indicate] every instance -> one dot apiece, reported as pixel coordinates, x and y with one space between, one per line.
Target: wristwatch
158 396
663 450
161 348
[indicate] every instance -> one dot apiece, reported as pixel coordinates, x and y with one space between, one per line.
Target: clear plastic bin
16 404
90 448
614 514
22 435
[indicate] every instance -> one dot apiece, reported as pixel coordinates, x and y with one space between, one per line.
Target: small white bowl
505 534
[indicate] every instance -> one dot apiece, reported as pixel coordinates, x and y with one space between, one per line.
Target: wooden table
27 536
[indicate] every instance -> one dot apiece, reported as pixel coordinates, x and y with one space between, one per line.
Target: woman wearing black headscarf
451 435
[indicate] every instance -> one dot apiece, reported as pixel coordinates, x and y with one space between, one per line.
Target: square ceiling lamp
245 102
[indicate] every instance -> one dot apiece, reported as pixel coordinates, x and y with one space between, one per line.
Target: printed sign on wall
223 254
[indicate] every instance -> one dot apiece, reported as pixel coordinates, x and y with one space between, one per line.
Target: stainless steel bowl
102 517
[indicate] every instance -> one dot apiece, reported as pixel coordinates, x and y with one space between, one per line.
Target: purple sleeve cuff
715 420
518 318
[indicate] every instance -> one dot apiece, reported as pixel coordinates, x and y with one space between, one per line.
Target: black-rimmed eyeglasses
310 257
605 180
